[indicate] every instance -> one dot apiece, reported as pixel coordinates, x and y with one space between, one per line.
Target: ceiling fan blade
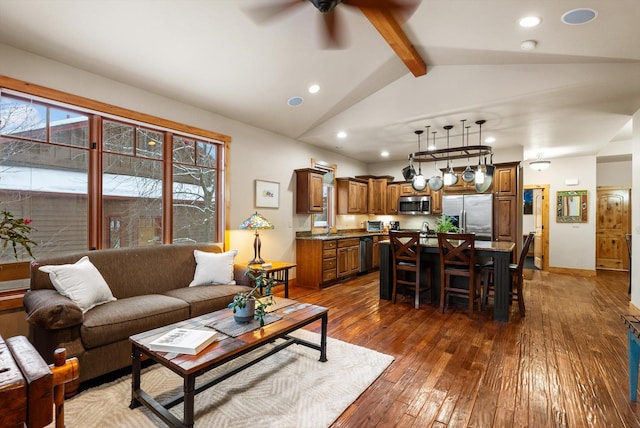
333 35
265 13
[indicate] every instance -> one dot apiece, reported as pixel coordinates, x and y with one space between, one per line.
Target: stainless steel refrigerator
472 213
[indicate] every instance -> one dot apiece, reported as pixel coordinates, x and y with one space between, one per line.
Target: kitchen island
501 252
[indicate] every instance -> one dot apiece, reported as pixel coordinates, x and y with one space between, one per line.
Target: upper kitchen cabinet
352 195
376 193
309 184
505 182
393 193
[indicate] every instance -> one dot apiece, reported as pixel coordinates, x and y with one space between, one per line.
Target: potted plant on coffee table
251 304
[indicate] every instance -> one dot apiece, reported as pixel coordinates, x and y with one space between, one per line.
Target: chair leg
395 287
443 286
521 307
472 294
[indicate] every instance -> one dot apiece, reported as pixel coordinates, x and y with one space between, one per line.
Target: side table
279 271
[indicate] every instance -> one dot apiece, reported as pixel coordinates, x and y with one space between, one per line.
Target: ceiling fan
381 13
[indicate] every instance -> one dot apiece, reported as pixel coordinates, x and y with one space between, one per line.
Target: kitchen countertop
340 235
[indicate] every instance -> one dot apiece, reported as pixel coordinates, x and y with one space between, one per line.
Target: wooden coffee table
189 367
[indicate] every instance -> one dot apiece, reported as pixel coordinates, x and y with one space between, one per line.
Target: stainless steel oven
414 205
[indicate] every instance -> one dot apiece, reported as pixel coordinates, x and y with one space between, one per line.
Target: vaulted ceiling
572 95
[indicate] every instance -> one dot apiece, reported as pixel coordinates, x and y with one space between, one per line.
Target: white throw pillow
80 282
213 268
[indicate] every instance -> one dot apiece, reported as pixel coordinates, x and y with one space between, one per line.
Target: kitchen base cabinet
348 257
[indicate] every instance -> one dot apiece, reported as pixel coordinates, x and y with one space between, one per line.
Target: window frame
98 110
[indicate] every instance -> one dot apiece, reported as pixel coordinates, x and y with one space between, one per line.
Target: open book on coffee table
183 341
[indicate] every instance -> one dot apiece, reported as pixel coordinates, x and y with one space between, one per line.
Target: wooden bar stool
405 251
458 258
515 271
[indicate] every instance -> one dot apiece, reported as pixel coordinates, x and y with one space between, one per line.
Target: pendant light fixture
480 170
539 164
419 182
450 176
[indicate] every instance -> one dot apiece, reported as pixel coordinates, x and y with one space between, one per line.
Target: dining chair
405 251
515 274
458 259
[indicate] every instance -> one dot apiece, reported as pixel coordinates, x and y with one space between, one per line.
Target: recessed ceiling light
530 21
314 89
341 134
295 101
490 140
579 16
385 154
528 45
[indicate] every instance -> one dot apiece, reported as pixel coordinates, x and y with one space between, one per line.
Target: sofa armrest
239 271
50 310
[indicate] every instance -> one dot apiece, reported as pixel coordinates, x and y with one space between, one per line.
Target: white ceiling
571 96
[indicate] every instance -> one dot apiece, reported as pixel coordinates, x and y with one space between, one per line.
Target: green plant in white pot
251 304
444 224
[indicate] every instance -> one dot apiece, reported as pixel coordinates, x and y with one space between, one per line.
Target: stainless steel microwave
414 205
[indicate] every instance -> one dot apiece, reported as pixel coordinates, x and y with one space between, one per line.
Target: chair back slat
457 249
525 250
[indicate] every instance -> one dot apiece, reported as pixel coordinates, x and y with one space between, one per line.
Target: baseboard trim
571 271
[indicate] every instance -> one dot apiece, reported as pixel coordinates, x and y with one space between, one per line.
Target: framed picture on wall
267 194
527 203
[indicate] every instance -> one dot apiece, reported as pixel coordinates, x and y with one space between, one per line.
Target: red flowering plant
15 231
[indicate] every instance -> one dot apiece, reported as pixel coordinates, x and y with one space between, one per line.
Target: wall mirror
571 206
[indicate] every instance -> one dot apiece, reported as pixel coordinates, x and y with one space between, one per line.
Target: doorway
613 214
535 218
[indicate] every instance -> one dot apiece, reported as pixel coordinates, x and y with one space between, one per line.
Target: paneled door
612 223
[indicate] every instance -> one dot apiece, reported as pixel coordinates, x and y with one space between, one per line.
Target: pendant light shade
450 176
419 182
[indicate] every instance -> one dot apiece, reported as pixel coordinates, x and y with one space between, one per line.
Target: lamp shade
256 222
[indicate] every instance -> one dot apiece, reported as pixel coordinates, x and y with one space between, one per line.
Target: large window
87 180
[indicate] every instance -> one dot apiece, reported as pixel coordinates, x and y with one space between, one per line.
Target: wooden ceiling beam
388 27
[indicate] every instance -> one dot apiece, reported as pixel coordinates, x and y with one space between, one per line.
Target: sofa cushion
205 299
118 320
81 282
213 268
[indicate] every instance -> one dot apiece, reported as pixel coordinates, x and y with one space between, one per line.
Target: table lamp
256 222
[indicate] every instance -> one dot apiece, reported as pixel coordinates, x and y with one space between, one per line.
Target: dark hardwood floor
564 364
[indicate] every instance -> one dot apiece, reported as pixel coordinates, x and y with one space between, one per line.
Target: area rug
288 389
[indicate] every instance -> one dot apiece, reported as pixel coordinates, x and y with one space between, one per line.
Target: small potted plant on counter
444 224
252 304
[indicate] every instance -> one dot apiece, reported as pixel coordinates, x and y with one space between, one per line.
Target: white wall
616 173
255 154
571 245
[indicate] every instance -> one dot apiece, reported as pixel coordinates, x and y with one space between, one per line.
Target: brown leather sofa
151 285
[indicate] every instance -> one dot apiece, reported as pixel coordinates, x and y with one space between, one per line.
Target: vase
246 314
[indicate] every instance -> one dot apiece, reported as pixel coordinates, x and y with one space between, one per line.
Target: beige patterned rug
288 389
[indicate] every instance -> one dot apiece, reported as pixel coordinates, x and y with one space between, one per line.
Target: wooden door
612 223
538 200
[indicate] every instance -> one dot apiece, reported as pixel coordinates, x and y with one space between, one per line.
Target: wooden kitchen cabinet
505 180
375 264
352 196
316 262
436 202
348 256
309 189
406 189
377 196
393 193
